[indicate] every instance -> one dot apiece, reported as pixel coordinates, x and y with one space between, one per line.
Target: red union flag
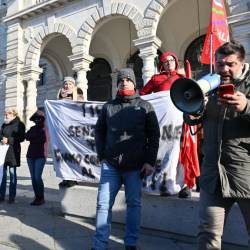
217 32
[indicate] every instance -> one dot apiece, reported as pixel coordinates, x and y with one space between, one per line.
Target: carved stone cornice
31 73
36 9
81 61
148 41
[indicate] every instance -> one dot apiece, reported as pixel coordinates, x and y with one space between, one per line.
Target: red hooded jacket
163 80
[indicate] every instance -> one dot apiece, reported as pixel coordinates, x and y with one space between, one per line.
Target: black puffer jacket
127 133
15 132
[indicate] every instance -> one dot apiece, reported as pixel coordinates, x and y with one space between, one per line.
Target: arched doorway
99 80
193 54
136 63
55 66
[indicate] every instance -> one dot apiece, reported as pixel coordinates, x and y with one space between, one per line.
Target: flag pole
211 53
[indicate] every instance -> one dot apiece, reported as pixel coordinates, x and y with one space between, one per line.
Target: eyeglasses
169 61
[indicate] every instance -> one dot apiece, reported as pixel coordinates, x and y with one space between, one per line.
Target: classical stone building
41 41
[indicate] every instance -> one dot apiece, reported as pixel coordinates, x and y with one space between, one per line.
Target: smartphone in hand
226 89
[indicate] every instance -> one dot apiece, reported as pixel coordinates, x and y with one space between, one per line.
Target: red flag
217 32
189 156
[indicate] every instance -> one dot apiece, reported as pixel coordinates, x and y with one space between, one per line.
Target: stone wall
238 6
2 67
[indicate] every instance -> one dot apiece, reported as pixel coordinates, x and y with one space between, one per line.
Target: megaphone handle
190 121
194 133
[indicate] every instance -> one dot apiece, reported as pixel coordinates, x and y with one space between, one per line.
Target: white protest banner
168 175
71 132
3 152
71 129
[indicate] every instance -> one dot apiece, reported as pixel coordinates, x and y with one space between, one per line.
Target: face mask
126 92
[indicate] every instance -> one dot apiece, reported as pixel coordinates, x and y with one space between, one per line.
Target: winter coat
127 133
163 80
160 82
226 146
15 132
38 142
37 136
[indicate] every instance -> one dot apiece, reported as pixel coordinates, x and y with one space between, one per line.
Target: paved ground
44 228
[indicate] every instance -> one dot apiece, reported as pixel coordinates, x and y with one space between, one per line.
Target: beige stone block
114 7
101 12
90 21
96 17
132 13
121 7
163 2
127 9
156 7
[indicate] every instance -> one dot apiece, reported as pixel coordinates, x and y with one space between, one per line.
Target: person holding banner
127 140
225 173
71 92
12 133
37 154
170 71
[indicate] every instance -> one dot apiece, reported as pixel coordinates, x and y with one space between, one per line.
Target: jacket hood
163 58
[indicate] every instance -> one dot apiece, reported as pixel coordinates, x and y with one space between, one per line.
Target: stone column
14 66
114 84
148 51
31 76
81 64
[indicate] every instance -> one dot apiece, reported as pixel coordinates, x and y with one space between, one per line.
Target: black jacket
15 132
127 133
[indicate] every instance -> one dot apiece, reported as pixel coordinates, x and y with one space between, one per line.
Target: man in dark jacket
12 133
127 140
225 175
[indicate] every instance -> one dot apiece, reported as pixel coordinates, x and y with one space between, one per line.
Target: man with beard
225 173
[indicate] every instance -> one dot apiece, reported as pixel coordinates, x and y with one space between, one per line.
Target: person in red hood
169 72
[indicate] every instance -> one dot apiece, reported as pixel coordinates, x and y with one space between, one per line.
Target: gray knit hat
69 79
126 73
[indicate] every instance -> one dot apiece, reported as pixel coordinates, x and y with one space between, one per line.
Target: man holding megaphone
225 173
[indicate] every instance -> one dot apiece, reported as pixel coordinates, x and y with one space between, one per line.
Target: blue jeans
13 182
36 166
110 183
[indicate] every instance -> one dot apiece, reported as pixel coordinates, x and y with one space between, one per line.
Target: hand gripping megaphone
188 95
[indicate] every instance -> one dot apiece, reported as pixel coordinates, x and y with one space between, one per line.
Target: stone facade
239 21
47 40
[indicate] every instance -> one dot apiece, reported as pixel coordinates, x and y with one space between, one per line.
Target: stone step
167 214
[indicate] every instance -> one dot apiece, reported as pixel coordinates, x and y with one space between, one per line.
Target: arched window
99 80
136 63
193 54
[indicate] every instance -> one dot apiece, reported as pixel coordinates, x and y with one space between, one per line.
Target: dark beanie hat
126 73
38 115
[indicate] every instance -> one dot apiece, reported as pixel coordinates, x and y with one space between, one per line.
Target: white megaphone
188 95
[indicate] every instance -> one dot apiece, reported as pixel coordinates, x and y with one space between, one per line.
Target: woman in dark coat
36 155
12 133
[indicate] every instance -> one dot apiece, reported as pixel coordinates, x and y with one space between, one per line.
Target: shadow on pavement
43 228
